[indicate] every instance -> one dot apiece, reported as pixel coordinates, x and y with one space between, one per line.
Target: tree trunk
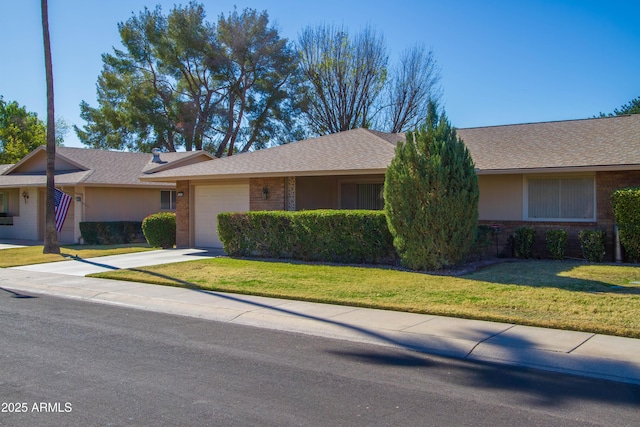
51 245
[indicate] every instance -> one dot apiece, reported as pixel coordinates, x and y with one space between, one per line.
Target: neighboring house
546 175
104 186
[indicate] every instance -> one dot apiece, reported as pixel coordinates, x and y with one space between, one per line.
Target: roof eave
210 177
562 169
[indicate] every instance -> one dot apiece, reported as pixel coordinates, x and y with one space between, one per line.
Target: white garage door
210 200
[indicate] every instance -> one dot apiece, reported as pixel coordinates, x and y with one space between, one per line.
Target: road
68 362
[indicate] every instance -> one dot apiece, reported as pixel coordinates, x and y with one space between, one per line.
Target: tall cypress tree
431 196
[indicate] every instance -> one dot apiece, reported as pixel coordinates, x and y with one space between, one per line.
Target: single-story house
104 186
547 175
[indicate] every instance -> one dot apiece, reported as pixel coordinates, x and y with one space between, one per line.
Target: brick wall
606 183
276 198
183 215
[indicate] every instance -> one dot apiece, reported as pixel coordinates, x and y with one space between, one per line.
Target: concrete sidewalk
83 267
577 353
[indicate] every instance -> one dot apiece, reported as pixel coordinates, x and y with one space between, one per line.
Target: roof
571 145
352 152
588 144
82 166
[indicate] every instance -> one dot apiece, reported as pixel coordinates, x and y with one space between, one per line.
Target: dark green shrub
557 243
160 229
626 210
111 232
524 237
592 243
431 196
482 244
320 235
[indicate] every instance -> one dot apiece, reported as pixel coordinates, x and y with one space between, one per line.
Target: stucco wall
500 197
119 204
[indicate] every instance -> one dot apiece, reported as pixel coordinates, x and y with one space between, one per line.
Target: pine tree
431 196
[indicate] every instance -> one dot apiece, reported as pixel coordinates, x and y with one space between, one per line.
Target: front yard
557 294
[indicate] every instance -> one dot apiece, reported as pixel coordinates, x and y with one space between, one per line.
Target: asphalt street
96 364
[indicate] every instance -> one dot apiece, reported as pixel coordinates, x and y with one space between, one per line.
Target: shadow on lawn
547 274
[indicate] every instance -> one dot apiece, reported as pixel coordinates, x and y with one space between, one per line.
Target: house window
560 198
3 203
168 200
370 196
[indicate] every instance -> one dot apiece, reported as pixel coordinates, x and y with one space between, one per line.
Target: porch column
290 194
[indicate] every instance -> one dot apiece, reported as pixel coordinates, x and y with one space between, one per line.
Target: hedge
343 236
111 233
626 210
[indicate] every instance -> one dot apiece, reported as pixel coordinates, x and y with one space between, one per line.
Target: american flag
62 206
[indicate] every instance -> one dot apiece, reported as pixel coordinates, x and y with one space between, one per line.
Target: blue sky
501 61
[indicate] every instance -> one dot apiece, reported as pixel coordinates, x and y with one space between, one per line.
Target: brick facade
606 183
275 200
183 215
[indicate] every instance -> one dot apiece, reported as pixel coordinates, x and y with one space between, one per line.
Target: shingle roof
589 143
94 167
353 152
565 145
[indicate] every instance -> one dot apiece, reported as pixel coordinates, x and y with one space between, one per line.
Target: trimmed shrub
626 210
111 233
523 239
431 196
557 243
160 229
592 243
321 235
483 242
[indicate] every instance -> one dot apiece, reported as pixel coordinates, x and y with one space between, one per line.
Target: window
560 198
168 200
370 196
3 203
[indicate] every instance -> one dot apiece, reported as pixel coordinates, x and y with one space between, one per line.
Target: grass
33 254
557 294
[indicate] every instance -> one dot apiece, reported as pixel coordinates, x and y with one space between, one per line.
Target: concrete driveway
82 267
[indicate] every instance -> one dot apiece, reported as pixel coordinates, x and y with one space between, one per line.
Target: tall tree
431 196
184 82
633 107
344 75
413 83
20 132
51 245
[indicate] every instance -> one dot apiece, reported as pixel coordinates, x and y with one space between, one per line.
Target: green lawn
33 254
558 294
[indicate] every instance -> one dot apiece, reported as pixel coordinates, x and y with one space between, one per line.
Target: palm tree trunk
51 245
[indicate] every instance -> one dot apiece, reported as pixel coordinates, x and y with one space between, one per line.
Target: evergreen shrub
431 196
345 236
111 232
592 243
524 237
626 211
557 243
160 229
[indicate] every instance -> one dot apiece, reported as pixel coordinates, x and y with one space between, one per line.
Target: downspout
617 247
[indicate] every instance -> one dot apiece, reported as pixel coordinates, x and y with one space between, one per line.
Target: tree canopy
21 132
633 107
183 82
348 82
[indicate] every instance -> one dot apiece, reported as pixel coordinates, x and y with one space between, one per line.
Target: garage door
210 200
